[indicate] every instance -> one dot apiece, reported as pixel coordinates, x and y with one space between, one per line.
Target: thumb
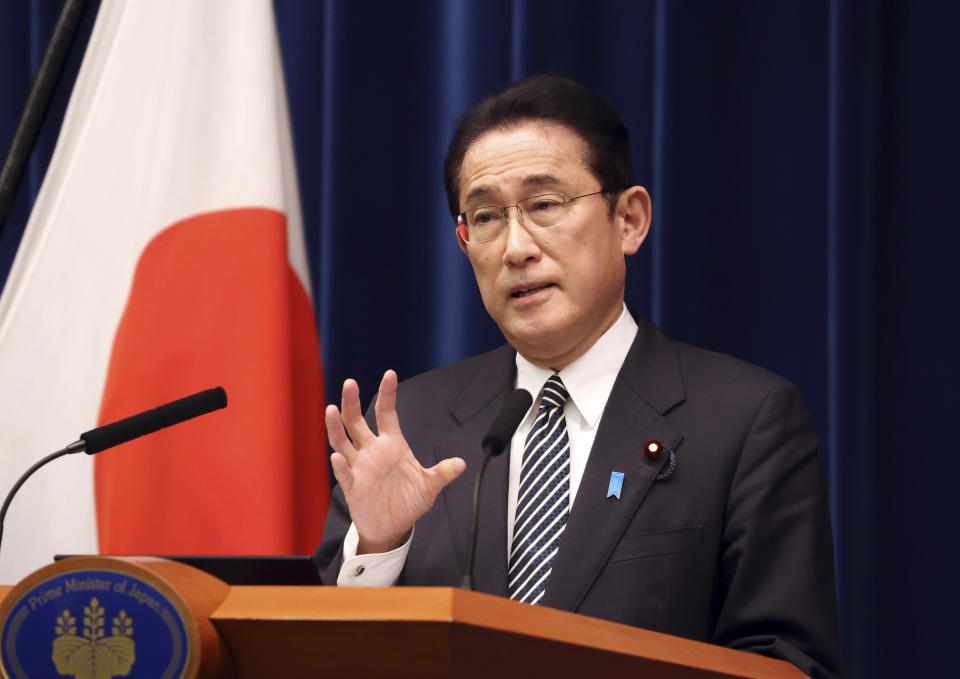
447 470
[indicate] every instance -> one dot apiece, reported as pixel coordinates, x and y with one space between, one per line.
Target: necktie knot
555 394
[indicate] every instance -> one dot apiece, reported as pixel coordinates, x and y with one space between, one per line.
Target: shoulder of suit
705 370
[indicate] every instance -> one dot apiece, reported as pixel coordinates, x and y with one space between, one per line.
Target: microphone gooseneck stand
127 429
75 447
467 582
495 442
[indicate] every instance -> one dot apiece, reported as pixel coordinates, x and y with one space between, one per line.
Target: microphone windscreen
502 429
150 421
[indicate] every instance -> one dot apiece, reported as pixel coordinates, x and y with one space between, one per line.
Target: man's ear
463 246
633 214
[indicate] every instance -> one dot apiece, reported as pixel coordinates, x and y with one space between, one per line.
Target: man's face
552 292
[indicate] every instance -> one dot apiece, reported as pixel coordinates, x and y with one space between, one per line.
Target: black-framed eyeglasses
543 211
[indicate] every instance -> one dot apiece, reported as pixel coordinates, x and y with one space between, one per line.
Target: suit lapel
474 410
648 385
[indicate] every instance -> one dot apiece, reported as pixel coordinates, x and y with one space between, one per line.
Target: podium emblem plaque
93 623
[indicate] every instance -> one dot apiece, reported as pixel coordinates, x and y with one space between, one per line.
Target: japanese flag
165 255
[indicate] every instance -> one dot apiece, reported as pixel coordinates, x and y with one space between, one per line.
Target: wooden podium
291 632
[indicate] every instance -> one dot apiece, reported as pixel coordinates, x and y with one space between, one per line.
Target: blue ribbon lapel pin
616 485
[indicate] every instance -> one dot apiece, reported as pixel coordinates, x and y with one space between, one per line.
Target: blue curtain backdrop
802 157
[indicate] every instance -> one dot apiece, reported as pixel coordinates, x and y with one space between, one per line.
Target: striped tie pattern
543 499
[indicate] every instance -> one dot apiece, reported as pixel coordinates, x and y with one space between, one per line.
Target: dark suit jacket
734 548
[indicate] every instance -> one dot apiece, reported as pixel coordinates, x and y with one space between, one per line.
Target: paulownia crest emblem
93 655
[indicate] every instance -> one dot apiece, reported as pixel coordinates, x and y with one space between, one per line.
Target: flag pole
36 105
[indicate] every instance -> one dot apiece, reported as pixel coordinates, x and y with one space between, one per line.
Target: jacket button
653 449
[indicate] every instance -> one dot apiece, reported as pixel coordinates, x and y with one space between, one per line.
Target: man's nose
521 246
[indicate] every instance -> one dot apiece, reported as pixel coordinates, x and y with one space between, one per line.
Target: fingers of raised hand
341 470
352 415
336 434
386 405
446 471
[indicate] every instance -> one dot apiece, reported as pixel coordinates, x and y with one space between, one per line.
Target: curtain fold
851 176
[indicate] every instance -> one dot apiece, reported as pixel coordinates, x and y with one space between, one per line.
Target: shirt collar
590 378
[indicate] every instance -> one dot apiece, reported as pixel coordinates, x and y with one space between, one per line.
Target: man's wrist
370 570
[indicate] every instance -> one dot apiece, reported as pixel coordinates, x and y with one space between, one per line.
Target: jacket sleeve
329 554
776 561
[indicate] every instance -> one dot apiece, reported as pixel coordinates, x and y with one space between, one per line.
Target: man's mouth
523 292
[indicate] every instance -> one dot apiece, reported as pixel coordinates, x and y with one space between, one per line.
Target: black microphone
149 421
114 434
495 442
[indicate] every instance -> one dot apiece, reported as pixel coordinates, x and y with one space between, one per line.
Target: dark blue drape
802 158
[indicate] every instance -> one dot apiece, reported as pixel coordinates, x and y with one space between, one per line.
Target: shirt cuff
370 570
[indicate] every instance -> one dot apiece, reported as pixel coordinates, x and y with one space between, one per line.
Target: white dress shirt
589 381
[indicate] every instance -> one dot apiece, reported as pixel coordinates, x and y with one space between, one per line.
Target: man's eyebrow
534 180
541 179
478 191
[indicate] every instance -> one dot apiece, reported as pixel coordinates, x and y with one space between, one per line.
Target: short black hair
555 99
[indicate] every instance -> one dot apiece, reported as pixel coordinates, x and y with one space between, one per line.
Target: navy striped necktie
543 499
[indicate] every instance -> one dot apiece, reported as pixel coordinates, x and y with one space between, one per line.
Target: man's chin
539 346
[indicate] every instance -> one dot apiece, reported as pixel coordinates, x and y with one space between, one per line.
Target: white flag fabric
164 255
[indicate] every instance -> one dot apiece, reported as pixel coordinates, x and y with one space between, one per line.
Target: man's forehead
529 154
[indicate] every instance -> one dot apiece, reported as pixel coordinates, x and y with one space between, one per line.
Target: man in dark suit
651 483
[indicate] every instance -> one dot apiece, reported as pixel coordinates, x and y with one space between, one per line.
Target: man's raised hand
385 487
